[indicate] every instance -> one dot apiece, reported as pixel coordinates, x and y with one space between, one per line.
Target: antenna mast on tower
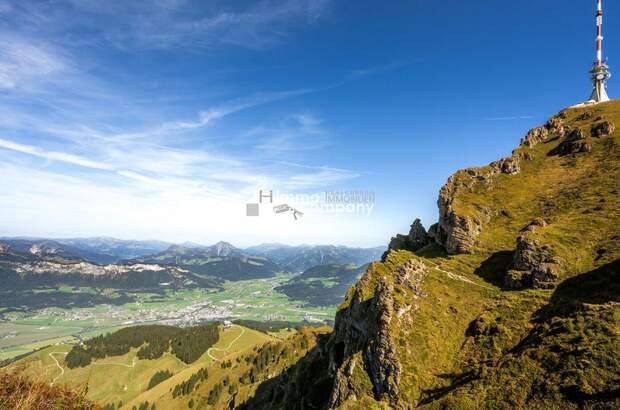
599 74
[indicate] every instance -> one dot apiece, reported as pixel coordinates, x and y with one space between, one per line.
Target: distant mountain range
101 250
221 260
27 263
302 257
49 247
116 249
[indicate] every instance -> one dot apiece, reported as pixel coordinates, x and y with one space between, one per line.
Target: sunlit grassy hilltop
523 313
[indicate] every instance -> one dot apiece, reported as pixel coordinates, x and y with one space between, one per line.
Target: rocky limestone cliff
363 334
455 231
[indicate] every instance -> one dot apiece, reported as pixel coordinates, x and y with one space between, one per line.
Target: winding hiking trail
227 348
456 276
62 369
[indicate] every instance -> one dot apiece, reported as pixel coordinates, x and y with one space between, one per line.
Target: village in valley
255 300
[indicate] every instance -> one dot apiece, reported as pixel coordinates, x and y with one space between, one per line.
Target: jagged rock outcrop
534 265
603 129
458 233
365 328
535 136
455 232
576 142
585 116
416 239
362 332
554 126
412 274
508 165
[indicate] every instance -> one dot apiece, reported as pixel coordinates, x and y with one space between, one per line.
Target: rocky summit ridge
511 300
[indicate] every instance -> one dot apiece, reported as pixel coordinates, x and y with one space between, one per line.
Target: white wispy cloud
172 23
293 135
258 26
211 115
511 118
137 165
144 156
53 155
22 62
324 177
375 69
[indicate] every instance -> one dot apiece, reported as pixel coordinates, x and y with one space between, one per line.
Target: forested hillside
187 344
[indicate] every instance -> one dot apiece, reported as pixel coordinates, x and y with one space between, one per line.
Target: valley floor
26 330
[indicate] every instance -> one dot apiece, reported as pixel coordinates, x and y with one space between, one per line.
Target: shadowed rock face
575 143
458 233
534 266
416 239
362 336
603 129
364 328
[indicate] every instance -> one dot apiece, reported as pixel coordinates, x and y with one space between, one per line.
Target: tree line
186 387
188 344
159 377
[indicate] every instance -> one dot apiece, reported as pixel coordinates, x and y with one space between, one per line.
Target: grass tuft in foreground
18 392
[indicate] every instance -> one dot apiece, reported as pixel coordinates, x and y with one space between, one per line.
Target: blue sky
162 118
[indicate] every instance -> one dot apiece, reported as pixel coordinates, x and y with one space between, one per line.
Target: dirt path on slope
227 348
456 276
62 369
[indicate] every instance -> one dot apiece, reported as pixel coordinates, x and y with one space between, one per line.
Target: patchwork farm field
25 330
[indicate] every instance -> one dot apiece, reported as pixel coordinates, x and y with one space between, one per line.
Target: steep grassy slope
524 310
234 376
